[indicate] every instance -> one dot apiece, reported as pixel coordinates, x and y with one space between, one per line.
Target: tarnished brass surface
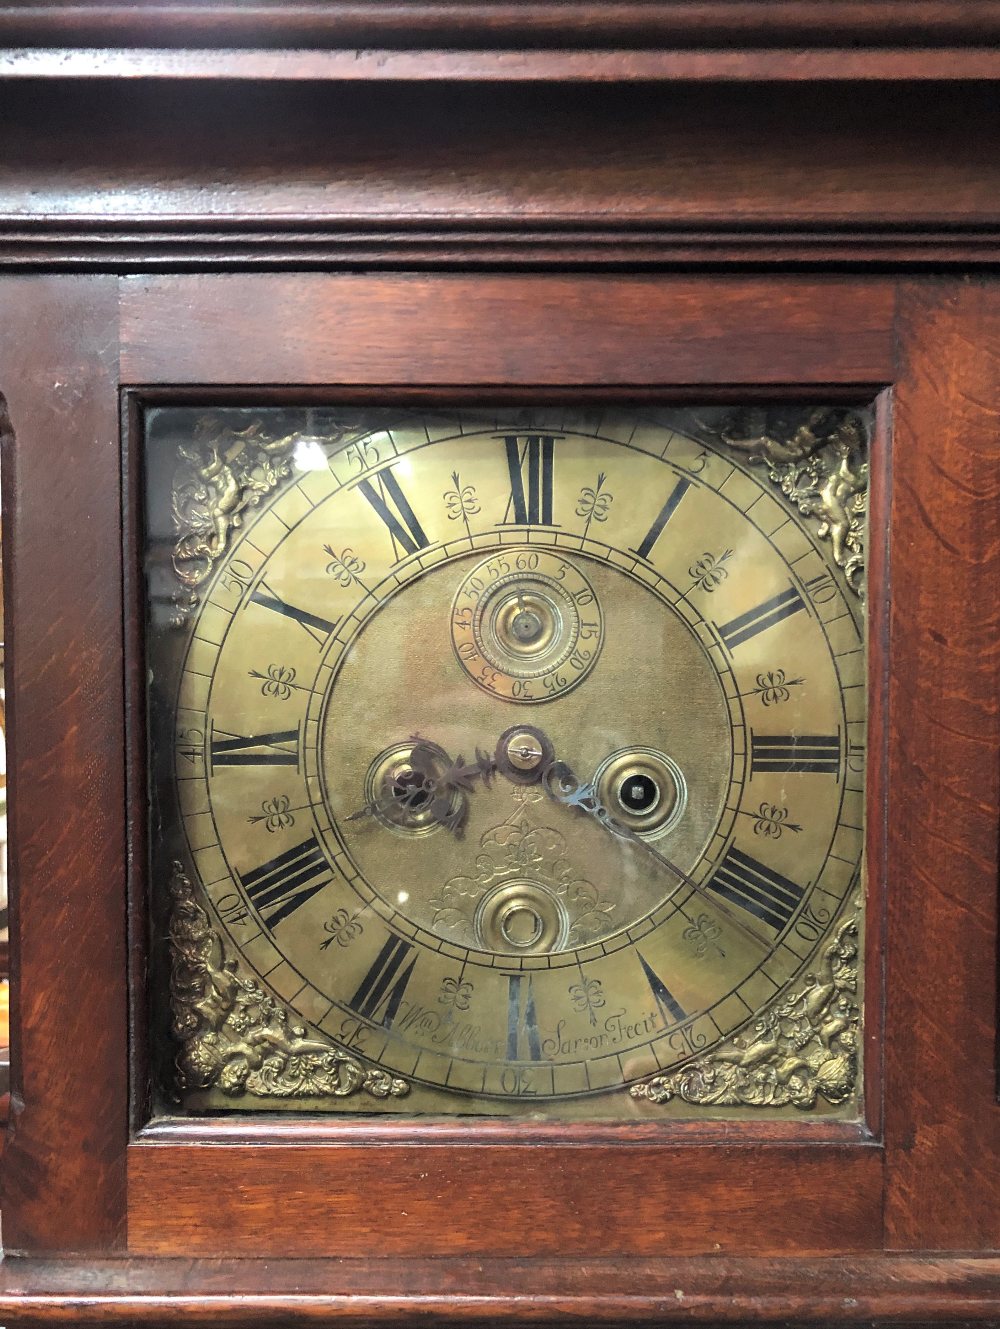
236 1037
803 1046
518 756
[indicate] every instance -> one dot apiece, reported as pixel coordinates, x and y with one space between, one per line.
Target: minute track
377 677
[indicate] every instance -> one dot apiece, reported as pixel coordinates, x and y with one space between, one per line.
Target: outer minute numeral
760 618
530 465
758 889
662 517
404 529
817 754
281 885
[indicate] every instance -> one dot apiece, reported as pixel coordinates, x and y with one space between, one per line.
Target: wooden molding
239 1294
504 24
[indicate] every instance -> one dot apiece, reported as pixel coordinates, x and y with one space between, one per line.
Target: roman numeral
758 889
278 887
524 1042
381 990
318 628
671 1011
532 502
662 517
280 748
764 616
816 753
405 531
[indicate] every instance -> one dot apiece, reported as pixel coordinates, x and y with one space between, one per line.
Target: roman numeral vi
524 1042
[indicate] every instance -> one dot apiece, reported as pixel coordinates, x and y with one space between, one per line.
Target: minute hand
562 785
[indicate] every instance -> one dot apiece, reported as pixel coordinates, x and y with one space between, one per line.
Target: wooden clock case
664 201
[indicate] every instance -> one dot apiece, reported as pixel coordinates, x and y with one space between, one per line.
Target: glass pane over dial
508 761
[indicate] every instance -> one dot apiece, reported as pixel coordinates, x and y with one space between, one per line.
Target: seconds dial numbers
403 860
526 625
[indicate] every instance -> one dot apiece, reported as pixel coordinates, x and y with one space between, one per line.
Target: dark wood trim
248 1130
416 24
362 1294
439 175
410 330
99 245
63 1182
942 1123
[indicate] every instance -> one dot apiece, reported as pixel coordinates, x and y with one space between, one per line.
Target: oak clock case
507 762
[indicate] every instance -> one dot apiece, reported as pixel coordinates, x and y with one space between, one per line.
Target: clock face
508 761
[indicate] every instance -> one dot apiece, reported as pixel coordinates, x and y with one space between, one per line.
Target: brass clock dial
519 756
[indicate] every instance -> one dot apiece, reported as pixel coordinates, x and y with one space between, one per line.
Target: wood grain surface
942 1117
505 330
283 1294
443 174
937 65
577 1199
63 1176
504 23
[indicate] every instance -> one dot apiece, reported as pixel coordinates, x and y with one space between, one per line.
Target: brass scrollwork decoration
803 1048
235 1037
223 471
819 463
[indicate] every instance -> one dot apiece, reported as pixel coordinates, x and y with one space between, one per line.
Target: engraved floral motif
819 463
587 995
279 681
275 813
773 687
234 1037
346 567
455 992
802 1048
517 850
703 934
708 571
343 927
772 821
461 502
594 503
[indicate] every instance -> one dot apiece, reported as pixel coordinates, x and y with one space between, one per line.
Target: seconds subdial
526 625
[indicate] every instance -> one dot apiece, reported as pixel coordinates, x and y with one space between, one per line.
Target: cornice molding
88 244
504 24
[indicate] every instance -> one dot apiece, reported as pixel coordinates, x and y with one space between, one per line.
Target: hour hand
416 785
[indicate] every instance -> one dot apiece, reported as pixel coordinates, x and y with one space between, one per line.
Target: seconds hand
563 786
